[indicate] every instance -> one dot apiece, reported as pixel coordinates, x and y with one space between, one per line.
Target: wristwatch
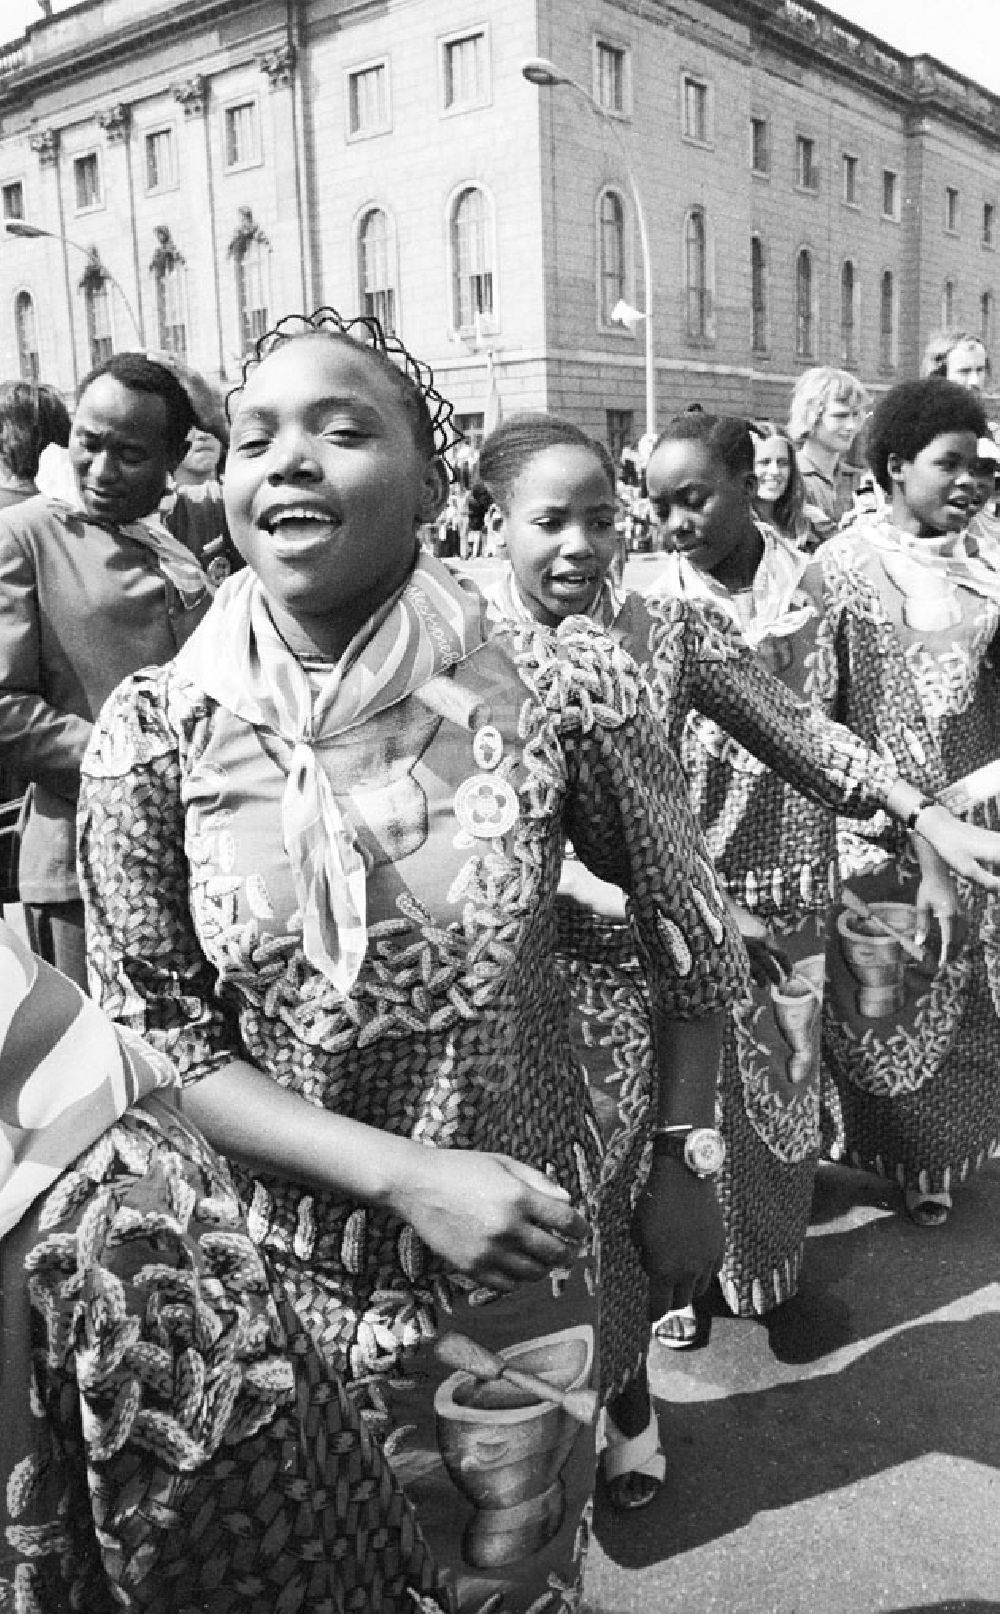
701 1148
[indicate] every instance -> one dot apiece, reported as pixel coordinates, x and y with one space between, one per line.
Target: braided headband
367 331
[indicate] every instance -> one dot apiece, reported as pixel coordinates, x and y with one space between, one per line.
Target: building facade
784 188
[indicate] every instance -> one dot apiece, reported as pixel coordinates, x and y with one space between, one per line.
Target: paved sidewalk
842 1457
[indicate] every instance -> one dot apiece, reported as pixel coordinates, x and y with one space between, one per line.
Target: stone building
800 192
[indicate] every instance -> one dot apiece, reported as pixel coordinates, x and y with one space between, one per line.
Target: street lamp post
34 232
538 70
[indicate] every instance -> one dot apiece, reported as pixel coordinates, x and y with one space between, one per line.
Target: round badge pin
486 806
487 747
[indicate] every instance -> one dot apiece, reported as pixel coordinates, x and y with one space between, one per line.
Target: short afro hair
911 415
138 373
727 438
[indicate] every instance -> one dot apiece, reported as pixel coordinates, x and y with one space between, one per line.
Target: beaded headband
367 331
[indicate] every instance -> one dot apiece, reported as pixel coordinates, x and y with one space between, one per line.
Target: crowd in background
430 993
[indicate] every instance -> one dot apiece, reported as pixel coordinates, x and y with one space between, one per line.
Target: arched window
696 274
804 305
887 322
26 329
376 276
251 260
168 285
848 314
100 336
948 304
611 248
758 294
473 274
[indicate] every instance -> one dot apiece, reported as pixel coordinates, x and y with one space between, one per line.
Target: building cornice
805 34
24 76
918 85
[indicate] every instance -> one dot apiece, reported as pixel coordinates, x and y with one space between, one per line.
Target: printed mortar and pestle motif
797 1003
506 1425
876 941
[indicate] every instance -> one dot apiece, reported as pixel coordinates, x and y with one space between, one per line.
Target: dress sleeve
147 969
37 740
820 758
628 816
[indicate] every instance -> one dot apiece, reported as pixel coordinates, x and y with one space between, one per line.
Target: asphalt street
841 1456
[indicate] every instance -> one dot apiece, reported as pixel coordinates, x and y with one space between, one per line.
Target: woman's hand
769 963
965 848
936 897
502 1222
678 1228
207 403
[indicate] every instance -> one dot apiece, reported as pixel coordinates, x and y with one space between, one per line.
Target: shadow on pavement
928 1390
888 1355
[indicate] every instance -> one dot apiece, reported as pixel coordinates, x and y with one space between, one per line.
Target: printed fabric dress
916 1053
457 794
824 633
171 1439
702 676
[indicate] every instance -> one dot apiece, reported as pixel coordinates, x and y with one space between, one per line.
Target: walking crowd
425 995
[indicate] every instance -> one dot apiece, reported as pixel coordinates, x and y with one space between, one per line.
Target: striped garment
66 1075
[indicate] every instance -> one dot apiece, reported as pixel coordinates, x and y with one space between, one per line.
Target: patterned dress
719 702
822 630
916 1052
455 1032
171 1439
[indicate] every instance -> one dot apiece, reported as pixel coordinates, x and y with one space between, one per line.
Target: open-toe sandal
678 1329
634 1466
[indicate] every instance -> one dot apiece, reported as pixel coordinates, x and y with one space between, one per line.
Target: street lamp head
540 71
23 228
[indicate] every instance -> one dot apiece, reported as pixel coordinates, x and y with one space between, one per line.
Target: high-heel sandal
631 1456
683 1319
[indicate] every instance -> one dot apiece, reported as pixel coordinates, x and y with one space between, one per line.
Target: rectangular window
620 431
989 224
160 171
760 146
951 209
368 100
466 72
242 138
87 182
850 165
695 95
806 173
611 78
13 200
758 295
890 194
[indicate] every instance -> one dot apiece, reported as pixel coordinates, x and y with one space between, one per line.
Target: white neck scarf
176 562
241 661
771 609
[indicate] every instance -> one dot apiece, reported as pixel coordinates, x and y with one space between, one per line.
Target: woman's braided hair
431 413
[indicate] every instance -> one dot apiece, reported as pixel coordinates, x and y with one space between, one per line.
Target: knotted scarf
772 607
175 561
66 1075
238 658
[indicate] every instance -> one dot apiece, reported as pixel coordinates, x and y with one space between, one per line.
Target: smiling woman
321 853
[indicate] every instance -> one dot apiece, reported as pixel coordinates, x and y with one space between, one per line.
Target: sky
963 33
